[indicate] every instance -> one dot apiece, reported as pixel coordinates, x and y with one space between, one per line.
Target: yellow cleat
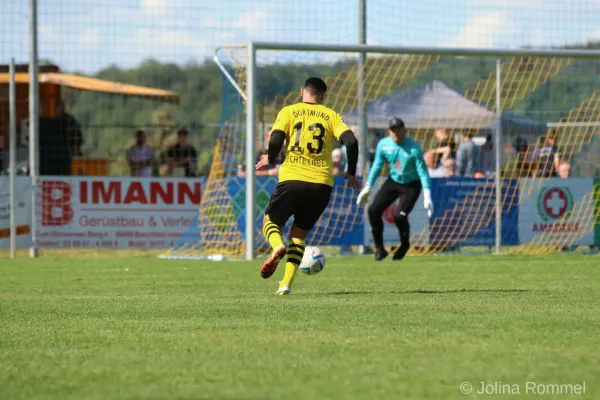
283 291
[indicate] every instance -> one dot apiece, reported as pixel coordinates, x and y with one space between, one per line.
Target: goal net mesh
547 113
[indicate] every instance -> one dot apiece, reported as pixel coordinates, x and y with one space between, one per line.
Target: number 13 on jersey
314 135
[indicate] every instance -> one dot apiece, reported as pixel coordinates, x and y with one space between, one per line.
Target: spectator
467 157
435 171
547 157
521 145
524 156
269 170
449 168
338 162
487 164
3 140
564 170
182 158
443 140
140 157
71 128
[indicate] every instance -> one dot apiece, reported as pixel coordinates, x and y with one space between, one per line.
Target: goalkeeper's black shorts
406 194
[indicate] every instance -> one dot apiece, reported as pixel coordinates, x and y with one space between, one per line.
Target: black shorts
306 201
390 192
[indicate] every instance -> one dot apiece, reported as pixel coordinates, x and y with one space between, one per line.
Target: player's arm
422 170
377 165
278 135
425 181
275 145
363 196
351 144
344 134
556 160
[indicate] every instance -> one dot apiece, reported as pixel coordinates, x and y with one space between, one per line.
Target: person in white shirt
140 157
468 156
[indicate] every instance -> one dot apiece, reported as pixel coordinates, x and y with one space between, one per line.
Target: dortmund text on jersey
310 131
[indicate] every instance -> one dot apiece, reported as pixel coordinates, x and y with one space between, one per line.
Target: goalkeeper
408 176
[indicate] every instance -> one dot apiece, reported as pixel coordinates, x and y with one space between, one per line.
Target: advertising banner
465 212
105 212
23 212
557 211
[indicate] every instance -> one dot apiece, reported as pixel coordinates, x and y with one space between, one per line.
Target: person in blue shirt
408 177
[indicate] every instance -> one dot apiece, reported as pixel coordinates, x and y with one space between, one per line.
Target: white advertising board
103 212
556 211
23 212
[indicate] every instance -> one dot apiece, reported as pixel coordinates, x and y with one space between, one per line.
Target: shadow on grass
434 291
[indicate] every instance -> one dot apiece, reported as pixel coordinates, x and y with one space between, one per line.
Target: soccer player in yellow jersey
306 175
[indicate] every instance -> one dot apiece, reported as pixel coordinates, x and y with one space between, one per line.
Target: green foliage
109 121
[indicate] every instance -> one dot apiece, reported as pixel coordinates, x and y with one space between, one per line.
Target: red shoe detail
269 267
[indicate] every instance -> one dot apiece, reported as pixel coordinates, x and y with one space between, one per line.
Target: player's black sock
401 221
376 230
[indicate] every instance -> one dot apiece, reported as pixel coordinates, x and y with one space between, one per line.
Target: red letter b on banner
56 203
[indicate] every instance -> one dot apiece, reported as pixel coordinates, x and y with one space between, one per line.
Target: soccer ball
313 261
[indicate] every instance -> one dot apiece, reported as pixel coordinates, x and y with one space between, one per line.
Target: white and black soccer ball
313 261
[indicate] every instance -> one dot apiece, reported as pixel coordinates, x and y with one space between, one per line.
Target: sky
88 35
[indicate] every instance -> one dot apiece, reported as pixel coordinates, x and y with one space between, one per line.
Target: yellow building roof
94 85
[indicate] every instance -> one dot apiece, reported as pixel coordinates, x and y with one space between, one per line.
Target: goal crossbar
415 50
449 51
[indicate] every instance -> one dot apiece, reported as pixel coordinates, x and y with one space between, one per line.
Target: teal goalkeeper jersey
405 161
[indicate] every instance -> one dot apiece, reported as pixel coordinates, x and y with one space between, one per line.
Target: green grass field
142 328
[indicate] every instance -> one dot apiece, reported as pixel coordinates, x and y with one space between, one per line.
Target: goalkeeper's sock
404 229
376 222
295 252
401 220
272 234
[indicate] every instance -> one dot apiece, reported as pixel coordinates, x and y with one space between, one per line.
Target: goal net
545 123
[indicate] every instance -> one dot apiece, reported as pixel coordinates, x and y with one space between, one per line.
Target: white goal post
362 49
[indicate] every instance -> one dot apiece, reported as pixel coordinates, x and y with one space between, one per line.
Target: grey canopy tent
433 105
436 105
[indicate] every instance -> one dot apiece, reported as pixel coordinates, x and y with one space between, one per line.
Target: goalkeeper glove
427 202
363 196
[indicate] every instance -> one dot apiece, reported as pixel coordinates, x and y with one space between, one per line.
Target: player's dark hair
316 85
